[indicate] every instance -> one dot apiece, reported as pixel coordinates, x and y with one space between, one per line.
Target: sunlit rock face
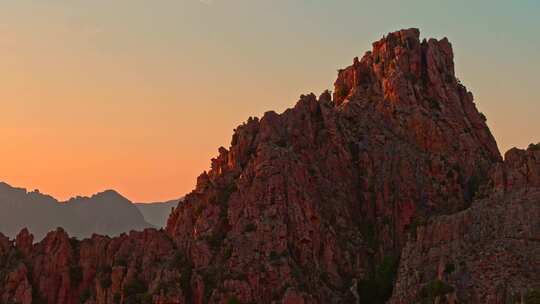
310 200
319 204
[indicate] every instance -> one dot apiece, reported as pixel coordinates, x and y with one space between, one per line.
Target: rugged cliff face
313 205
60 269
489 253
329 188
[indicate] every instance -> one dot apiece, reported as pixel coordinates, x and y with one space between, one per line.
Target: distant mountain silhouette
106 213
157 213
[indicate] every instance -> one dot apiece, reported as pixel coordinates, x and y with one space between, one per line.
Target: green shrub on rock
434 289
532 297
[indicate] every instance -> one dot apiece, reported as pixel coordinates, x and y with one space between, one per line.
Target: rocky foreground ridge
392 180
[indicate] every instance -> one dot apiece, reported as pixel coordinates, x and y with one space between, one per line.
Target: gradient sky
138 95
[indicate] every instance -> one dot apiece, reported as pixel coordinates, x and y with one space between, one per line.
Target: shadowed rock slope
489 253
314 205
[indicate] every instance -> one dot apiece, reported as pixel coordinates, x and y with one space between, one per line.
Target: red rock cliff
329 188
313 205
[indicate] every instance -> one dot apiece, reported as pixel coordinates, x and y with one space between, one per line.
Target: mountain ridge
360 196
157 213
106 212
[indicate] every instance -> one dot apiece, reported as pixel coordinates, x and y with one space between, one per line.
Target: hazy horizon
95 96
87 196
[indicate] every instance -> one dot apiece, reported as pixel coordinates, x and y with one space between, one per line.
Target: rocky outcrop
329 188
489 253
315 205
142 267
521 169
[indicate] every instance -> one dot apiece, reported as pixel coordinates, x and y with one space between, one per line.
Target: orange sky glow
96 96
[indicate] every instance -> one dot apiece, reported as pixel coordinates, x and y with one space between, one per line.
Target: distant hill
107 213
157 213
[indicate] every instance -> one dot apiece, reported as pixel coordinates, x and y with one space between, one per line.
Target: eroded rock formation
489 253
315 205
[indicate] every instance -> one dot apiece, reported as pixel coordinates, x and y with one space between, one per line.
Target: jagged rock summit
319 204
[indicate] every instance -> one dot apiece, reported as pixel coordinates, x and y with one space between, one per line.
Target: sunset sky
137 95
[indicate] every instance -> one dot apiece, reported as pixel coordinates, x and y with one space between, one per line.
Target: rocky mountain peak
400 69
400 141
321 203
111 195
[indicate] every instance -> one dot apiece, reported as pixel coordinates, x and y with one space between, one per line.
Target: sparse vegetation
281 142
185 277
473 185
483 117
227 253
533 297
135 286
342 91
120 261
104 277
449 268
74 242
433 290
9 262
534 147
75 274
225 193
136 292
211 278
368 233
296 272
36 297
324 276
274 256
177 260
198 210
105 282
117 298
216 238
434 104
85 296
180 263
377 288
250 227
13 259
233 300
